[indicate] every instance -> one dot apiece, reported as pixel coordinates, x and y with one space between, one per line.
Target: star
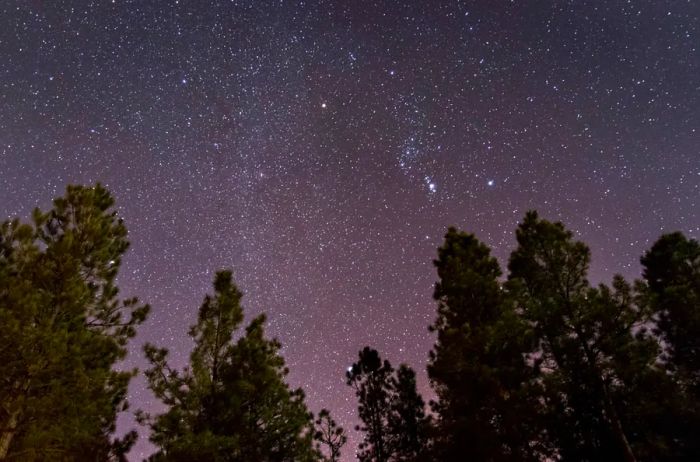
360 156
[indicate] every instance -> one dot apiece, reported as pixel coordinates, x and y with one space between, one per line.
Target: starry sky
321 149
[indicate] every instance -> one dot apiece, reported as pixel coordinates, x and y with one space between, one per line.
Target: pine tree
407 423
64 329
598 355
485 408
672 291
392 412
370 377
232 403
329 437
672 272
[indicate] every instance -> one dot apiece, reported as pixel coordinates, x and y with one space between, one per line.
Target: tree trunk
616 426
609 408
8 432
13 406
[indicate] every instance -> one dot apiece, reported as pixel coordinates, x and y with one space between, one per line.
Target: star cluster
321 148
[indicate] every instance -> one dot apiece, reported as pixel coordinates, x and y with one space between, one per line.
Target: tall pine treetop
232 402
467 275
477 365
548 259
64 328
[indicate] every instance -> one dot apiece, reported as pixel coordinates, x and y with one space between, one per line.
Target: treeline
537 365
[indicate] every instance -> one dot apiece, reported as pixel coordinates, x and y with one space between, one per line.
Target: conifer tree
329 437
599 357
671 270
370 377
232 403
485 408
407 423
392 412
64 329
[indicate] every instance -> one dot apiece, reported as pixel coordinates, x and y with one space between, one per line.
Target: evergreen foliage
407 423
545 366
370 377
329 437
539 365
485 407
671 270
390 408
232 403
598 356
64 328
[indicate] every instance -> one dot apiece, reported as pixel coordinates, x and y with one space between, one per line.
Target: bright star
490 182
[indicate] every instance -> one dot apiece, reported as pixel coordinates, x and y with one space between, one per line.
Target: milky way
321 148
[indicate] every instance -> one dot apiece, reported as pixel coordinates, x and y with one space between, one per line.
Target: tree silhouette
407 423
63 330
329 437
486 408
599 357
392 412
232 403
369 377
671 270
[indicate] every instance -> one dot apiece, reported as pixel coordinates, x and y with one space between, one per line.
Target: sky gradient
320 149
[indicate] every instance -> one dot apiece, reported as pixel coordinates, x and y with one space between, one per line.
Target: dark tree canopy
477 366
407 423
598 356
391 410
544 365
232 403
329 437
672 274
370 377
63 330
538 365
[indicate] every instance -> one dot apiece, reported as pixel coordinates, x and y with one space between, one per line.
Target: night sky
321 149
